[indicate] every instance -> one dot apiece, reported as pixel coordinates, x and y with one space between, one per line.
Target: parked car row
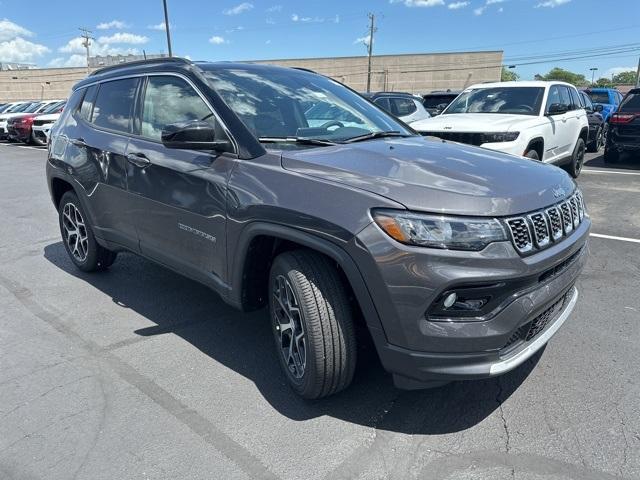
548 121
29 122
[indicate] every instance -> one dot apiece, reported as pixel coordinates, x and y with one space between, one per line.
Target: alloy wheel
289 326
75 232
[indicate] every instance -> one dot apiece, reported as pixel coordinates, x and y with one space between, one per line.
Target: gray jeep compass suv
283 188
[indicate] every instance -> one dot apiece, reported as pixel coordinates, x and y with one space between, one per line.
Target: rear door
179 195
97 141
558 140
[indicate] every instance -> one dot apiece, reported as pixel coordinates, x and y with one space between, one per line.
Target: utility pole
372 30
86 42
593 74
638 75
166 27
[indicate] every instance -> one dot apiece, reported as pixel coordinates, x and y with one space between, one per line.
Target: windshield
279 103
32 108
599 97
514 100
53 108
433 101
631 103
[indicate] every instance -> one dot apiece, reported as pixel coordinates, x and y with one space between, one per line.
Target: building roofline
375 56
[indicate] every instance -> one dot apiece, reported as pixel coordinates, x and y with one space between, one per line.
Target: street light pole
166 27
593 74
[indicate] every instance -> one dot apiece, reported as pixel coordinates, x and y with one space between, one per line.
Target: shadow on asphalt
243 342
627 161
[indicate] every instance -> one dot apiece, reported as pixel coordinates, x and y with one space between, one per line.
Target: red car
19 127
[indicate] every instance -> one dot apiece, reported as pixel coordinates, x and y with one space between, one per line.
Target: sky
557 32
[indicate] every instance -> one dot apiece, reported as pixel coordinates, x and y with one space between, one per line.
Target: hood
475 122
51 117
436 176
6 116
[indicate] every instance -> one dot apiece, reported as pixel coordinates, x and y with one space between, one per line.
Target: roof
529 83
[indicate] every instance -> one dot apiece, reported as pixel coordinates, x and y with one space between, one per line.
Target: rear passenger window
87 103
383 103
114 104
401 107
576 104
170 100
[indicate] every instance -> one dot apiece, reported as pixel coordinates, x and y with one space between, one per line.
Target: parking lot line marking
589 170
612 237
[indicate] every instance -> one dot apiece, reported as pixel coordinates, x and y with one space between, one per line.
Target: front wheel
312 324
78 239
532 154
577 159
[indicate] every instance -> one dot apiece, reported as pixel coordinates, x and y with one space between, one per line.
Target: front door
559 142
180 195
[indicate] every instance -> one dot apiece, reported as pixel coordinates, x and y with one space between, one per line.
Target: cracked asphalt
139 373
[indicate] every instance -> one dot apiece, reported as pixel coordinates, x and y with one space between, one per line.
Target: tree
604 82
509 75
625 78
564 76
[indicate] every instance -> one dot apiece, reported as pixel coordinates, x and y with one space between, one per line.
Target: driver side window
168 100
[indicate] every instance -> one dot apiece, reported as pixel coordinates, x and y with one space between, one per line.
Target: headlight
500 137
438 231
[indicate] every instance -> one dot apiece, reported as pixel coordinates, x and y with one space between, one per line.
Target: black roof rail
149 61
304 69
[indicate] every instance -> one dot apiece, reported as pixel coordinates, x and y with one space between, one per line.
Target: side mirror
598 108
558 109
194 135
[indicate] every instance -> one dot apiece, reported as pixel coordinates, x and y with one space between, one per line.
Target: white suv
539 120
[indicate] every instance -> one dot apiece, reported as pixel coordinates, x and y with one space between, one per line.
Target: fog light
450 300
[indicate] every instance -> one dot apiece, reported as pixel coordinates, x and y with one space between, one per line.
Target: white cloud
238 9
617 70
552 3
479 10
75 47
158 26
217 40
10 30
127 38
419 3
267 42
275 8
297 18
75 60
491 2
364 40
20 50
113 24
457 5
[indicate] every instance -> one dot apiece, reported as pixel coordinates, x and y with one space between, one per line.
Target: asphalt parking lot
140 373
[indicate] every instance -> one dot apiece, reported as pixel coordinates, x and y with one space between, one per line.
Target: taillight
622 117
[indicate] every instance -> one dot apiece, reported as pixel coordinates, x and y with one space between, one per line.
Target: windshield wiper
300 140
372 135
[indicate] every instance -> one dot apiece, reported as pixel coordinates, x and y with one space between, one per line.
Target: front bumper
18 133
3 130
418 350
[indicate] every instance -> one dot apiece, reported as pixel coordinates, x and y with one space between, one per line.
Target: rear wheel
597 142
312 324
78 239
532 154
577 159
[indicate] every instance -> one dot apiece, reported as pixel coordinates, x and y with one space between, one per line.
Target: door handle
138 159
78 142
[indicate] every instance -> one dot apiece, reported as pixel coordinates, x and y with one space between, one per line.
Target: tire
611 156
577 159
306 291
597 143
85 253
532 154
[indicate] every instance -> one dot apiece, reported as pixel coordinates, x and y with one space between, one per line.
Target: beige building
416 73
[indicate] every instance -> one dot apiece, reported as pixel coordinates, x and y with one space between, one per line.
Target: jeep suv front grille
540 229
